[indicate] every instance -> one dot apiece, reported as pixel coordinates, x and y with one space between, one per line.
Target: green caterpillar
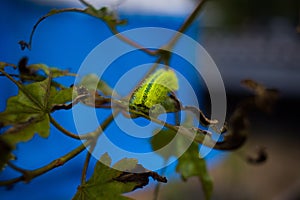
155 90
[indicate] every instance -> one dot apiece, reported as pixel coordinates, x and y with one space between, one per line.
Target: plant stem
30 174
101 128
46 16
158 185
83 11
185 25
62 129
131 42
95 135
5 64
18 169
92 136
23 89
87 161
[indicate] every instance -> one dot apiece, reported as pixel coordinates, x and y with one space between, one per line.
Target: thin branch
131 42
86 3
200 115
231 141
21 88
158 185
12 75
87 161
112 29
70 105
12 181
156 191
185 25
96 134
28 45
102 127
31 174
16 168
89 135
62 129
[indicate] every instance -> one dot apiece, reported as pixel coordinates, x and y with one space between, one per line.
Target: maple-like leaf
109 183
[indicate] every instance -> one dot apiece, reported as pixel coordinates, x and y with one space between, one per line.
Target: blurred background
247 39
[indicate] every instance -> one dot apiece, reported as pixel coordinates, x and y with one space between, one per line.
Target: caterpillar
154 90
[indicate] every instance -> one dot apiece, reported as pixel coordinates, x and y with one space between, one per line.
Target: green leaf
162 139
60 97
30 103
189 163
33 101
102 184
109 183
92 82
27 114
165 136
25 131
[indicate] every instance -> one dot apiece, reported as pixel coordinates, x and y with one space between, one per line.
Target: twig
200 115
30 174
28 45
185 25
12 75
94 143
83 11
157 186
62 129
22 171
21 88
131 42
70 105
102 127
5 64
87 161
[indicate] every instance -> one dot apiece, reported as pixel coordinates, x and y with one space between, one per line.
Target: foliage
39 95
189 164
109 183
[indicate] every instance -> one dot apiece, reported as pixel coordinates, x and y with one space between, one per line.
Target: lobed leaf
109 183
60 97
30 103
27 114
33 101
25 131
